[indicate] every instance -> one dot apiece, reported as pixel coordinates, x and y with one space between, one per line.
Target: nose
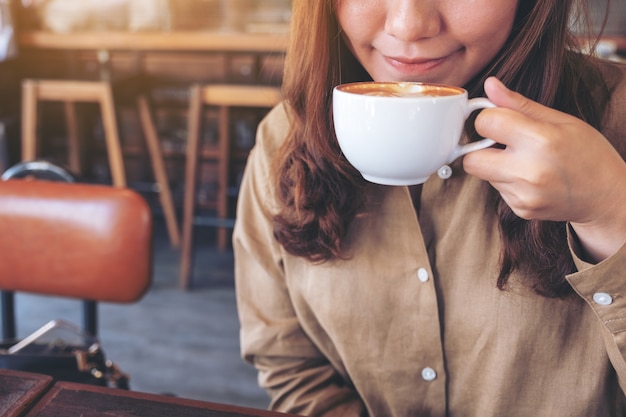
410 20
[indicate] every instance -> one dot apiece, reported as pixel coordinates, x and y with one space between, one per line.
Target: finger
507 126
490 164
502 171
501 96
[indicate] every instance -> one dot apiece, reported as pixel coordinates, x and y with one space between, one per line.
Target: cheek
358 19
483 30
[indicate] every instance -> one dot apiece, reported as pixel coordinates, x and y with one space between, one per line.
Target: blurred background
182 338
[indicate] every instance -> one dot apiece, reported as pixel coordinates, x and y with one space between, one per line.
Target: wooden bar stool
71 92
223 97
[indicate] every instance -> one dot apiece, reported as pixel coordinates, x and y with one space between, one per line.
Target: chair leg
224 165
74 150
111 133
8 314
158 168
29 120
90 317
191 163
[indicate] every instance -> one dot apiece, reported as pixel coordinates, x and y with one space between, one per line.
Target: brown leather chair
83 241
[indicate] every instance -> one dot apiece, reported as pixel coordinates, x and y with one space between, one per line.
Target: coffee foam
402 90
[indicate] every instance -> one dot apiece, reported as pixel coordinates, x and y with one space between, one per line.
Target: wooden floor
176 342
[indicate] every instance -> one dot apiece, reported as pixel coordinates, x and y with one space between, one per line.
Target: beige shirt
413 324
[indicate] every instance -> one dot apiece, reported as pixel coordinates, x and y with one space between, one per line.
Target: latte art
401 89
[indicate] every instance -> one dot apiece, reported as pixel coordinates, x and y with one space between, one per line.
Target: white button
422 274
429 374
444 172
602 298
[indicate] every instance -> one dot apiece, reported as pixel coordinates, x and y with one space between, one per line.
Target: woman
498 291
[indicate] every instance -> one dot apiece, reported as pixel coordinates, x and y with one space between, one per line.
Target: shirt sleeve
298 378
603 287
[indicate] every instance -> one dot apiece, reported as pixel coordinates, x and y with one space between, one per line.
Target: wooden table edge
42 384
208 405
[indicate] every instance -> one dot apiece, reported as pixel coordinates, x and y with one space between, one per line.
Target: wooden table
157 41
29 395
20 390
68 399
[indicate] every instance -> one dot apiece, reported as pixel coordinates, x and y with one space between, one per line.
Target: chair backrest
74 240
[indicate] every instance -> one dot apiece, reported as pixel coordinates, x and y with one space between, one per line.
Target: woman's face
443 41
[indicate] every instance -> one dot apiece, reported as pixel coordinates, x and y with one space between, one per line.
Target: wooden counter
157 41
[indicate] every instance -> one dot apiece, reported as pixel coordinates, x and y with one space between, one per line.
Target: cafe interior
161 97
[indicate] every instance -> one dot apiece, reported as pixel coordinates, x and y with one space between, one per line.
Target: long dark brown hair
321 192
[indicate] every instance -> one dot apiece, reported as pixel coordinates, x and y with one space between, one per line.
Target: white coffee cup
400 133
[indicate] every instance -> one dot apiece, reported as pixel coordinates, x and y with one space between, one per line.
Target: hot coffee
400 89
400 133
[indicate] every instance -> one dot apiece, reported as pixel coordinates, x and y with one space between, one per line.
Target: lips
414 65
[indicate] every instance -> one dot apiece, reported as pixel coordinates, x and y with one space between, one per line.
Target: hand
553 167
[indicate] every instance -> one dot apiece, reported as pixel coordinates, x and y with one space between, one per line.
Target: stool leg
191 163
29 120
158 167
224 164
111 133
74 151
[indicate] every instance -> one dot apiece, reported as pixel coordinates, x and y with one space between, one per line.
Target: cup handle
460 150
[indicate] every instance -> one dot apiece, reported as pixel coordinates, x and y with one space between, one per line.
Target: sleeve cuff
602 285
